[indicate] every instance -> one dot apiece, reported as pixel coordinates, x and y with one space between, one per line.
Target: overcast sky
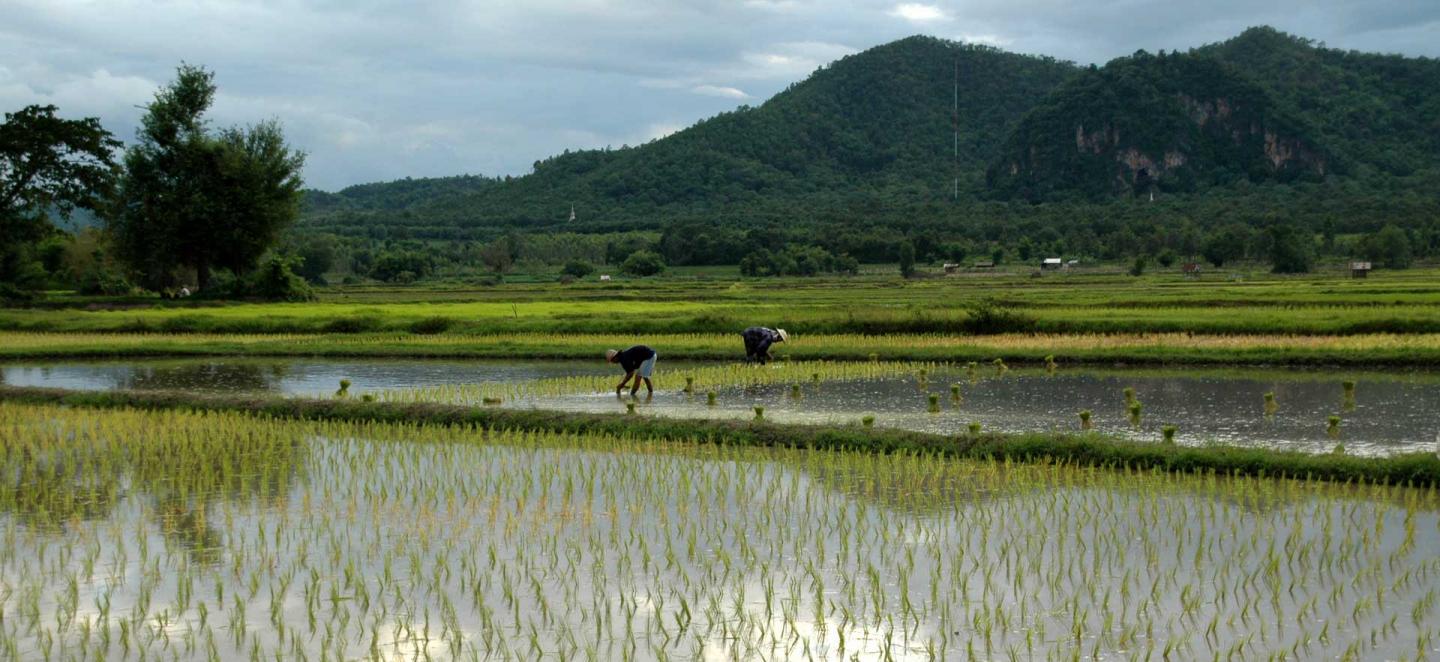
382 89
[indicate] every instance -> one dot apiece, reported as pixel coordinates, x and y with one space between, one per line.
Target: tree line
187 205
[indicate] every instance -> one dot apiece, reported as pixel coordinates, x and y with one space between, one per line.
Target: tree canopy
201 199
48 165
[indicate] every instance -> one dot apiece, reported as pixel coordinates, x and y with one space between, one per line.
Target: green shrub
431 325
578 268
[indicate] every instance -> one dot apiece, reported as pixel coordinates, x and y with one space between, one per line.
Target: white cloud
382 89
986 39
660 130
720 91
918 13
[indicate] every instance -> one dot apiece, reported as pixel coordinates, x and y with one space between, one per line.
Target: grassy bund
1328 304
1413 469
1390 319
1401 350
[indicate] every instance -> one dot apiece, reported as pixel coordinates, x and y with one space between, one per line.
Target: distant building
1359 269
985 264
950 267
1052 263
605 277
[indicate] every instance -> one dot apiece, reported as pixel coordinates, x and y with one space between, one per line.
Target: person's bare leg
650 388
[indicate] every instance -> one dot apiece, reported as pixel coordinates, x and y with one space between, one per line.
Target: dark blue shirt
631 359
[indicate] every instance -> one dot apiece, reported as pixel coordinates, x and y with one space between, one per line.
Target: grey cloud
380 89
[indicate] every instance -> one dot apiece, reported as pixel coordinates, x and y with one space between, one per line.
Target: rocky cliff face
1154 123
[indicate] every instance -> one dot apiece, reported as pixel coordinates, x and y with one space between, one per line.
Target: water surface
1392 411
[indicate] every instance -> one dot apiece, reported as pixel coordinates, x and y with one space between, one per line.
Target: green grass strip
1410 469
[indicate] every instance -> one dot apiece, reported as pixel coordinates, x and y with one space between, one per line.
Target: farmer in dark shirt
758 340
638 362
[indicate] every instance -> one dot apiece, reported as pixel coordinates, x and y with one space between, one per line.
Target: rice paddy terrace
128 534
1149 470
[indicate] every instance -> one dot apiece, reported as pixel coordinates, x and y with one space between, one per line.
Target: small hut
1052 263
951 267
1359 269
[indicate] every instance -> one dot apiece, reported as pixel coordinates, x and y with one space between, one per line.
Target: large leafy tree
1390 247
198 198
47 164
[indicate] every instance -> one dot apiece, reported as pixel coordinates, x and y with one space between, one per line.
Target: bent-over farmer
758 340
638 362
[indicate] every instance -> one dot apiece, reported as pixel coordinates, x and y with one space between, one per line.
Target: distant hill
877 123
1174 123
1380 111
869 139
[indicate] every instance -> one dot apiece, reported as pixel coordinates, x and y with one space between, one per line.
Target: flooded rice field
1379 412
162 535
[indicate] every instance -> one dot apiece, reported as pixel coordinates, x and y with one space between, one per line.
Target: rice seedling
1000 367
1270 405
630 407
867 421
344 391
1050 365
955 397
934 406
1347 401
759 413
131 534
1136 412
1167 434
1085 419
795 393
710 397
974 428
1129 395
1332 427
709 377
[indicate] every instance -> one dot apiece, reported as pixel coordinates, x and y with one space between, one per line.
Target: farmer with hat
638 362
758 340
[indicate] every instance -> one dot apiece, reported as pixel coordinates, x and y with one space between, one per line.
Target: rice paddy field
1091 474
1367 411
127 534
1326 303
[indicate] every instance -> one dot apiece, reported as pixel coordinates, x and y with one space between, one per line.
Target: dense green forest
1266 147
1232 140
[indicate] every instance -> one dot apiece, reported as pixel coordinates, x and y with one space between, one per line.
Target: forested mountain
878 123
1173 123
1263 130
1381 111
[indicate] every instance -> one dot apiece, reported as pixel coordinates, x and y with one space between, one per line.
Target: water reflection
1386 412
292 377
1390 412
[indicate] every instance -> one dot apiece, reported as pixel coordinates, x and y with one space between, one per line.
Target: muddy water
1392 411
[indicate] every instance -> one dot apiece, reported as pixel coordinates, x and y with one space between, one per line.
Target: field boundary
1420 469
1378 350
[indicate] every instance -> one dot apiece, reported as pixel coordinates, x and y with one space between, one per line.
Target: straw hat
784 337
610 354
